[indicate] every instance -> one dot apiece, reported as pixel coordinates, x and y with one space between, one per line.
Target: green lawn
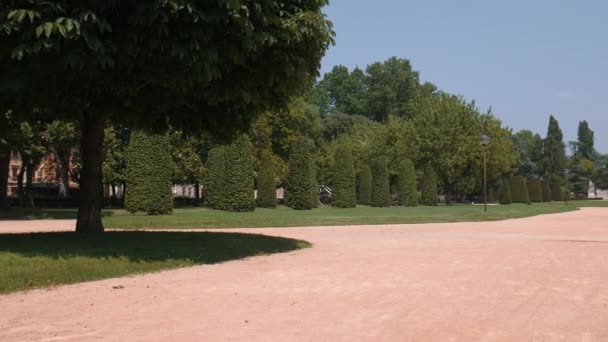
285 217
44 259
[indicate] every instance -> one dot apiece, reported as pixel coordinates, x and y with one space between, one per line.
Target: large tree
586 141
554 155
195 65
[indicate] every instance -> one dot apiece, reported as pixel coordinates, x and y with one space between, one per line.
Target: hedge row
380 183
230 179
343 182
300 185
406 184
149 174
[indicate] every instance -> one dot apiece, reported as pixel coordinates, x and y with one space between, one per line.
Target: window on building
14 173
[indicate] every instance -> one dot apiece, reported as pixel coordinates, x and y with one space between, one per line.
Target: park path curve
543 278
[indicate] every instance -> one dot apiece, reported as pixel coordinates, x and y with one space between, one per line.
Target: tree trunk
91 185
20 175
63 157
448 193
197 194
5 160
29 181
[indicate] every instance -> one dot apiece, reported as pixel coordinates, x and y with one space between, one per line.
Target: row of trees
426 144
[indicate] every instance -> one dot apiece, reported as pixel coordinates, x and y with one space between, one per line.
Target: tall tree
391 86
530 153
341 91
195 65
554 156
586 141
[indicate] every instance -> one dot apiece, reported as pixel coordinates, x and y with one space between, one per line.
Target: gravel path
543 278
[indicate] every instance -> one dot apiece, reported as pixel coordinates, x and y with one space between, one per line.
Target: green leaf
48 29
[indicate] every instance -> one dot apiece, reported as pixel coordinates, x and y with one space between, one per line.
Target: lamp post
566 172
484 140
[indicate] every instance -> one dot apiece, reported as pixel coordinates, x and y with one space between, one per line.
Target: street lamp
566 172
484 141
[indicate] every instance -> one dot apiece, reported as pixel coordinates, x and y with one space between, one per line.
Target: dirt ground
543 279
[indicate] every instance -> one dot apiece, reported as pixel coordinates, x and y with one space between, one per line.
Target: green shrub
519 190
239 176
314 184
429 187
266 184
214 180
535 190
406 184
546 188
504 192
556 189
299 181
343 180
149 174
364 185
380 183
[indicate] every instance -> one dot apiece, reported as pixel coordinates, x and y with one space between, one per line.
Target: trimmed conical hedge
214 181
429 187
149 174
535 190
546 187
406 184
299 187
504 192
314 184
556 189
343 180
266 182
364 185
519 190
380 183
230 179
240 175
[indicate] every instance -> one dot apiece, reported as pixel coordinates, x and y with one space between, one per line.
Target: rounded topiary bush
149 174
380 183
364 185
239 176
535 190
504 192
343 180
429 187
266 182
406 184
300 177
519 190
546 188
214 184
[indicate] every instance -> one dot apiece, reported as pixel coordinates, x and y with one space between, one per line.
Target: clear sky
525 58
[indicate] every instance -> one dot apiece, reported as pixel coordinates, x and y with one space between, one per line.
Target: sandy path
543 278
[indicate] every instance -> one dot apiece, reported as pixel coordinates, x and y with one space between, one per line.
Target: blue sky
526 59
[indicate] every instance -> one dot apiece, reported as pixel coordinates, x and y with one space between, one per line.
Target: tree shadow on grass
138 246
41 214
36 260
